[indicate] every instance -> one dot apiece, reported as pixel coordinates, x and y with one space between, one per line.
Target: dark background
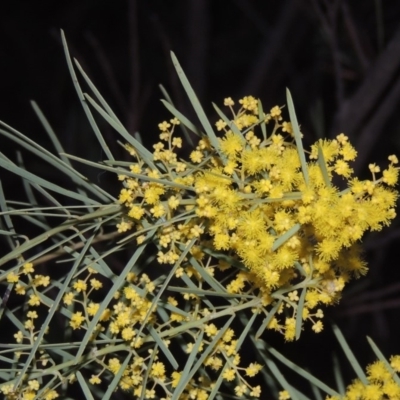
340 59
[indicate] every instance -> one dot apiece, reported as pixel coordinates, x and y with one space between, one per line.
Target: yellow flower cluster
132 309
29 392
26 283
382 383
256 199
197 389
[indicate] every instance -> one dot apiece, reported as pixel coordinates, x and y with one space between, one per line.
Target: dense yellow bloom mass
251 198
255 202
382 383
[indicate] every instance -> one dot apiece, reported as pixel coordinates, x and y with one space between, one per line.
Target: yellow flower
228 101
92 308
173 202
20 289
136 212
377 372
287 127
318 327
34 300
174 121
28 268
256 391
76 320
253 369
124 226
29 395
33 385
390 175
32 314
290 329
372 392
391 389
229 374
328 249
19 337
95 380
373 168
231 144
158 210
177 142
95 284
284 395
342 168
158 370
211 330
395 363
275 112
163 126
68 298
80 285
240 390
125 196
114 365
196 156
348 152
220 125
41 280
50 394
12 277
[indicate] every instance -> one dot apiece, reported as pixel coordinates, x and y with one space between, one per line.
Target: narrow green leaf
299 313
7 218
206 352
28 187
54 161
129 173
149 364
86 108
42 182
52 310
239 343
261 118
232 126
93 88
85 388
298 369
381 357
209 293
286 236
322 166
186 373
182 118
146 155
117 378
316 392
280 378
337 372
297 137
47 127
207 277
350 356
167 353
166 283
103 211
195 103
267 320
77 178
182 126
110 295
